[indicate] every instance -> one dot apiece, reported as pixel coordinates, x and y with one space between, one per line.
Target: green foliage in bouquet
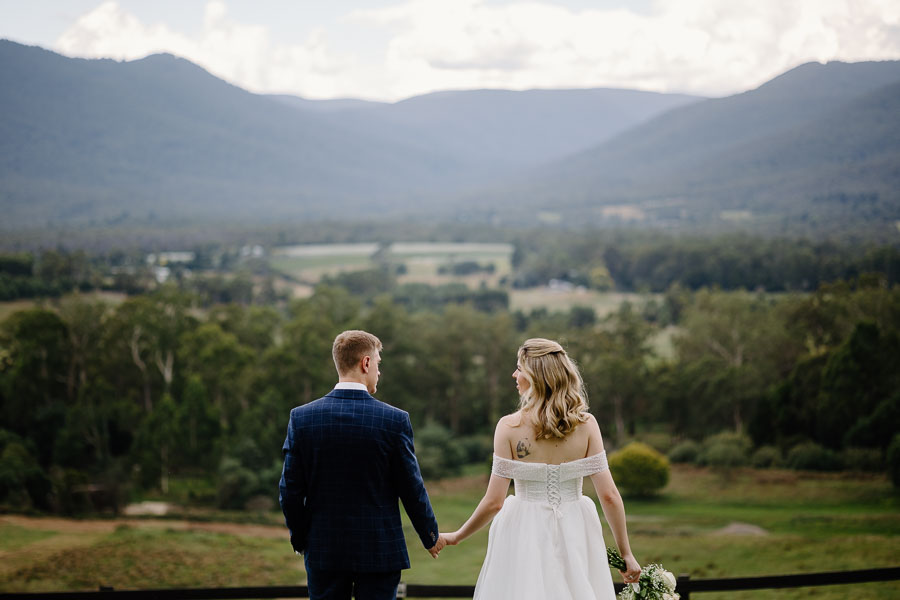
639 469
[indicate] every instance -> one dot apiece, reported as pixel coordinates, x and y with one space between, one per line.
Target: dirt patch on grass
738 528
105 526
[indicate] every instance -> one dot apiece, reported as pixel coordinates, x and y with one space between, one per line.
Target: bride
546 541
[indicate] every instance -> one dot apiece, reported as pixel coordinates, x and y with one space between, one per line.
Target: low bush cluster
727 450
639 469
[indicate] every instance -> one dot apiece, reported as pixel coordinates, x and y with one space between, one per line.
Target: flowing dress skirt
536 552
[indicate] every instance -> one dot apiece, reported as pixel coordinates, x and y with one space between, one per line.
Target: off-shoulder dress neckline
543 464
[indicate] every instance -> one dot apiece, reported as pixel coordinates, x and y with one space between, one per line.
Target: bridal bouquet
655 583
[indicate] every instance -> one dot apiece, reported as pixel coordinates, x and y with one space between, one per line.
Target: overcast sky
393 49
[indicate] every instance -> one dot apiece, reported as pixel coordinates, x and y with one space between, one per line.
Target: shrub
639 469
236 485
740 441
476 448
437 452
893 460
812 457
725 450
23 483
685 452
862 459
724 456
659 441
766 457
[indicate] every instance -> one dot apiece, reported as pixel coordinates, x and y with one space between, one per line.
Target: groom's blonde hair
350 347
556 396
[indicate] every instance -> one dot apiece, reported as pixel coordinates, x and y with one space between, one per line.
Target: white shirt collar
351 385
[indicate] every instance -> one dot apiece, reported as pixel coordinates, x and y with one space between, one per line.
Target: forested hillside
508 130
99 143
160 140
814 149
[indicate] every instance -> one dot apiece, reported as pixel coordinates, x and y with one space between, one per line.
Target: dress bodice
553 484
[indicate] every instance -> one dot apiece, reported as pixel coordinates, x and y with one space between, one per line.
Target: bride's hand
632 570
452 539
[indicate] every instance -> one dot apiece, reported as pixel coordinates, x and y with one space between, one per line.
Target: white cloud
703 46
699 46
240 53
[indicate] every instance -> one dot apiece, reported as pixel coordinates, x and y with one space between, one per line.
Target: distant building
255 251
560 285
170 258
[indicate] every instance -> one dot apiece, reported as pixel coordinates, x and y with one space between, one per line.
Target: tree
740 339
148 330
197 424
858 376
156 442
220 362
34 363
613 361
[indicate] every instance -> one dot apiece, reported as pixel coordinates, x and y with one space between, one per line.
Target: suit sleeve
292 492
411 488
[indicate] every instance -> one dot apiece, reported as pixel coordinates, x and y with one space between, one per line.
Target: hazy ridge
101 142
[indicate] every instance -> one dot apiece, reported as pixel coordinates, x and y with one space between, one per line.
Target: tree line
640 261
124 397
602 260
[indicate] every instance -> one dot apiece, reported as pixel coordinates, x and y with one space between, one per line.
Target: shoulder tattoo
523 448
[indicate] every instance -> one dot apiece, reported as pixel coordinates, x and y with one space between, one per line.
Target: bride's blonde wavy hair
556 395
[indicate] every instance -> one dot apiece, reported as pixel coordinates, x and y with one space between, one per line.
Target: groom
348 458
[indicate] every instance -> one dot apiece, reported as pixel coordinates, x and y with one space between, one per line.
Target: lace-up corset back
553 484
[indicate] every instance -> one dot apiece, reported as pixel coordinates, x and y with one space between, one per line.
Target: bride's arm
613 507
493 498
489 506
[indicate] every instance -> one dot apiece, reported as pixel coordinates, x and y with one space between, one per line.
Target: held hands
438 546
444 539
451 539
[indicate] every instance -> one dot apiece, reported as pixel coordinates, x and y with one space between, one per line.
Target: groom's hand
436 549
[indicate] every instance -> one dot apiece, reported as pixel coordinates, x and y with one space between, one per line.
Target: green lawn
13 538
813 522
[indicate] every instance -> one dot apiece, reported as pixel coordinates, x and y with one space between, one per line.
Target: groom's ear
365 363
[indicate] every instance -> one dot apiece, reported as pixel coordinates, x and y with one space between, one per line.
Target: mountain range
101 142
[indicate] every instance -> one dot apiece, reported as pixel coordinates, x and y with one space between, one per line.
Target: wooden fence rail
686 587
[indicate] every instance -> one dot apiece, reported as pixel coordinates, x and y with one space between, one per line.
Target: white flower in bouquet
670 581
655 583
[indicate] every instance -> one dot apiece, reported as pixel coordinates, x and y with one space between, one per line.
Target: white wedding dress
546 543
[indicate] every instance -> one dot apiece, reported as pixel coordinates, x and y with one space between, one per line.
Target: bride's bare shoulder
510 421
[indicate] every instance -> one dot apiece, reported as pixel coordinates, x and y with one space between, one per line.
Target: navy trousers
341 585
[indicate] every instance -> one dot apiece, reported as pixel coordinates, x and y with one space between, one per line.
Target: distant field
423 262
603 303
808 522
8 308
309 263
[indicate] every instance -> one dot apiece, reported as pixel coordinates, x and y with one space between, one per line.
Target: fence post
683 586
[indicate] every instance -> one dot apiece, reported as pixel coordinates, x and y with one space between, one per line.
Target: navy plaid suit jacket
348 458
